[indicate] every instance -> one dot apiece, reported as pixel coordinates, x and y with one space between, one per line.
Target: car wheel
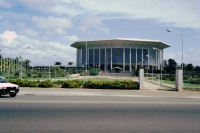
13 95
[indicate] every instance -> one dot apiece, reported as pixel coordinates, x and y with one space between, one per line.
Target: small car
8 88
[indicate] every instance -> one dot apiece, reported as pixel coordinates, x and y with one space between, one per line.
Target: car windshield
3 80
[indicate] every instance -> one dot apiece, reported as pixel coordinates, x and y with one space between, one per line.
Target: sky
49 27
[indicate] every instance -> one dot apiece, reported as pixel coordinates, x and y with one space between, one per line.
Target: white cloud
72 38
31 33
9 36
82 28
52 22
104 30
91 22
9 15
59 31
168 56
40 52
43 5
5 4
191 49
160 11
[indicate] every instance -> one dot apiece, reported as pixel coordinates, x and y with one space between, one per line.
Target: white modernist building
125 54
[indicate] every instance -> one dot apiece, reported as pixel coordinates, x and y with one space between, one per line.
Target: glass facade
139 56
117 55
106 58
133 56
83 57
91 53
127 55
102 56
145 59
96 56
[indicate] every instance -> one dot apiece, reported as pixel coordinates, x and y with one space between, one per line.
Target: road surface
108 111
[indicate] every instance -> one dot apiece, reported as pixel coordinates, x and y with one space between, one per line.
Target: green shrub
116 84
195 81
33 84
46 84
94 71
186 77
165 77
58 82
29 74
23 83
172 78
72 84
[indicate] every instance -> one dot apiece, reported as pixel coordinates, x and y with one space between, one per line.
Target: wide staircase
122 74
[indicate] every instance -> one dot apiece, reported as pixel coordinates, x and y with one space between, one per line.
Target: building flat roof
120 42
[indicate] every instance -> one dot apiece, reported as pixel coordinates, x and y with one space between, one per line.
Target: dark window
127 56
102 60
133 57
96 56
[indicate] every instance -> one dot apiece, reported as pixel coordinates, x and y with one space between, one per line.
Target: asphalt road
95 111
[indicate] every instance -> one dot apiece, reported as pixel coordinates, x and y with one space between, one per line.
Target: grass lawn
186 85
103 79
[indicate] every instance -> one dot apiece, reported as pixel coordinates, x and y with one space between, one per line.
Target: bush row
193 81
24 83
116 84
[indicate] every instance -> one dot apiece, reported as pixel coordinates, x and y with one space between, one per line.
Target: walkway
149 85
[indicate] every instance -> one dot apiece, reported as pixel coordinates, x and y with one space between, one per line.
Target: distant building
44 68
121 53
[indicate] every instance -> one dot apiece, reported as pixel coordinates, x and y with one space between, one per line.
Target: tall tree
189 67
171 66
165 64
197 68
57 63
70 63
26 64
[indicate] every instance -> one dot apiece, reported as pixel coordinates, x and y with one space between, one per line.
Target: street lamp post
169 30
86 57
161 62
22 60
49 67
147 70
151 68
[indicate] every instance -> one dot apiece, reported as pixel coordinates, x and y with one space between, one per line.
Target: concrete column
77 60
148 58
93 57
141 78
142 56
130 67
179 79
156 60
136 58
111 58
123 59
99 57
105 69
81 58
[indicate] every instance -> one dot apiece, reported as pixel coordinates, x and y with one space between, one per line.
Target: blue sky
48 27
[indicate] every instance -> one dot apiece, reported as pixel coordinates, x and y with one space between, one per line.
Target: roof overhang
121 42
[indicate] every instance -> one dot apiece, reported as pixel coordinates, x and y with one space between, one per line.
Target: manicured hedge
193 81
72 84
24 83
46 84
116 84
